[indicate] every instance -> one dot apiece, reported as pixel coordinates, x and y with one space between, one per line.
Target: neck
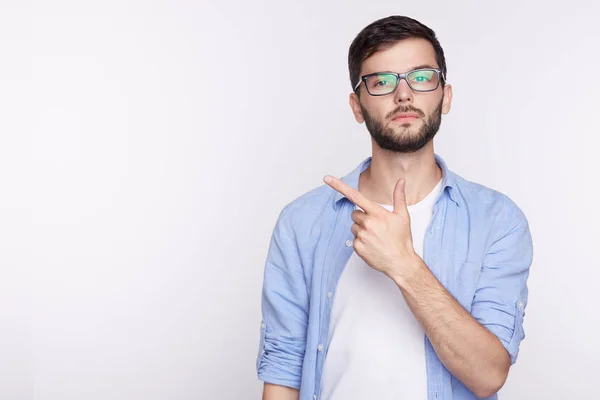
419 169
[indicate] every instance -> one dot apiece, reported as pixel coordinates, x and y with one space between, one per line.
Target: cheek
426 108
380 108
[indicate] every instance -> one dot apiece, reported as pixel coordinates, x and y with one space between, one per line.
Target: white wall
146 149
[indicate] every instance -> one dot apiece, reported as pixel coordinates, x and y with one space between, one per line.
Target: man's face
380 113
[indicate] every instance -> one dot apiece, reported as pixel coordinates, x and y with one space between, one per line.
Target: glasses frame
399 77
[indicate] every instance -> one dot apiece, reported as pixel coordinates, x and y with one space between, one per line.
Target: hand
383 239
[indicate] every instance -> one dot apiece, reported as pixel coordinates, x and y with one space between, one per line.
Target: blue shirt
478 246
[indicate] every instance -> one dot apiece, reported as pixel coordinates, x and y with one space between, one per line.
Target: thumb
400 197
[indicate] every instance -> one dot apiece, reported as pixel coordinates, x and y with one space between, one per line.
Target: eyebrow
411 69
422 66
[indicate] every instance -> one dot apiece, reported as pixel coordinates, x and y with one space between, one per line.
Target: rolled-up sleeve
501 294
284 309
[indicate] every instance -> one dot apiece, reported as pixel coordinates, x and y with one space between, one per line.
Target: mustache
405 109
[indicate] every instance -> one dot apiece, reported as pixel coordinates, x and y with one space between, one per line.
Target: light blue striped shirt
478 246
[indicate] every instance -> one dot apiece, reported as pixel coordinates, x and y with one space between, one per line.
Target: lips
402 116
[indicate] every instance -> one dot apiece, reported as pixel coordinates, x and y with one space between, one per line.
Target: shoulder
308 208
481 200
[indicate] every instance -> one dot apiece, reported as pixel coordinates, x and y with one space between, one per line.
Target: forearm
468 350
277 392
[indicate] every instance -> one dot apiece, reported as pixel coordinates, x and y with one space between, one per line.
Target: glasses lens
424 79
379 84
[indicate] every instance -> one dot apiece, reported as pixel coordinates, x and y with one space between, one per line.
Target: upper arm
284 309
501 295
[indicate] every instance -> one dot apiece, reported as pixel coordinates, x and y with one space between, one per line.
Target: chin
405 131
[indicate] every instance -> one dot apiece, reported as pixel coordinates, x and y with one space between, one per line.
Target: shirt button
520 305
348 243
320 347
263 326
329 295
314 397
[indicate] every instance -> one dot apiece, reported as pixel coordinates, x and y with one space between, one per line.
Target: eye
421 76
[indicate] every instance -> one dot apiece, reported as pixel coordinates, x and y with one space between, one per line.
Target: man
402 280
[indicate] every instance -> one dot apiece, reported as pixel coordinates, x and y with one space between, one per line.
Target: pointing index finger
352 194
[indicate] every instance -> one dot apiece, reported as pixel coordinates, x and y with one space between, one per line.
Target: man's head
399 44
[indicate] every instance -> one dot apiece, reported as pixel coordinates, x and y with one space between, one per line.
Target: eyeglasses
419 80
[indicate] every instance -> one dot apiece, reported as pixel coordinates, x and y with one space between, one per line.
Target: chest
447 240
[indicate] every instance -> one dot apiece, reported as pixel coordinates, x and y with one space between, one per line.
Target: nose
404 93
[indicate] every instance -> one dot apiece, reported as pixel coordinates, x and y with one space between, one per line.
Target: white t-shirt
376 345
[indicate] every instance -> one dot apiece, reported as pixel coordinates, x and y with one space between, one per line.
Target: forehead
403 56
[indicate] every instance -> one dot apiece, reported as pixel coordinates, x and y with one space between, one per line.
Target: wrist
408 271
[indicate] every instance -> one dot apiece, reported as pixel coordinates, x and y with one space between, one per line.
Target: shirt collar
448 180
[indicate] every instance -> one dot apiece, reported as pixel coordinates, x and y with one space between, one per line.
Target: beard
403 139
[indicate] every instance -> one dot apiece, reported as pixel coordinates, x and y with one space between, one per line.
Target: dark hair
383 34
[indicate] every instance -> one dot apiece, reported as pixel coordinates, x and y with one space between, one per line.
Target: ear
355 106
447 102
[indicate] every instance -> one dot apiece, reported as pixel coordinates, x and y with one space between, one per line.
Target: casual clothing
376 345
478 245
